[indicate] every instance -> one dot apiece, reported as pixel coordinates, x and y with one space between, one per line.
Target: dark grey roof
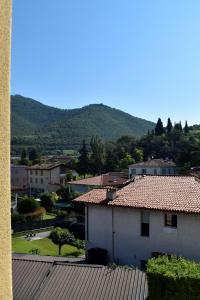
49 281
80 259
28 277
154 163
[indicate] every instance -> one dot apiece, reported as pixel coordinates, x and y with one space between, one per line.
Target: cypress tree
159 129
169 126
186 128
23 154
83 163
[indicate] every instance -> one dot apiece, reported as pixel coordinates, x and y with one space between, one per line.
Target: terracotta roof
45 166
57 280
112 178
154 163
170 193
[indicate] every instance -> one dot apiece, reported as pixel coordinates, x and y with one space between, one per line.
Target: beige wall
5 231
40 179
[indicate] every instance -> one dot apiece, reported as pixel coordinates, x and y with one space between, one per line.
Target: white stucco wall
153 171
129 246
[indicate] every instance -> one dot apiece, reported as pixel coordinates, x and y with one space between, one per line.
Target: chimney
111 193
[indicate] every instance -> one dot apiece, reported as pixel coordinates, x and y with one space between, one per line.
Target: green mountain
36 124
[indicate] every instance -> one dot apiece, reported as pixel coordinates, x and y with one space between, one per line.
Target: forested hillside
49 128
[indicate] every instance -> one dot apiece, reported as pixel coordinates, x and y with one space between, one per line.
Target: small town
99 150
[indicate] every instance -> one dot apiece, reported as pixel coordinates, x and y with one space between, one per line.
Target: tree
169 126
186 128
178 127
138 155
159 129
126 161
97 155
34 155
23 154
84 161
61 237
47 201
27 205
69 175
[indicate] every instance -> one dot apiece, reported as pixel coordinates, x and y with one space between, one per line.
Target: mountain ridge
33 121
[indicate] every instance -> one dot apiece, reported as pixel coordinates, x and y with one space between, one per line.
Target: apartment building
45 177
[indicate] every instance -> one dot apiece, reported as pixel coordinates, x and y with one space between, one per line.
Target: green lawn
48 216
45 246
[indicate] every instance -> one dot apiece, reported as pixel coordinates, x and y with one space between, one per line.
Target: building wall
39 180
129 246
153 171
80 188
19 176
5 232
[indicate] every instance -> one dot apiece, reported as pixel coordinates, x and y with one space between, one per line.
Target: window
41 172
36 172
41 180
144 224
36 180
31 172
144 171
31 180
155 171
163 171
170 220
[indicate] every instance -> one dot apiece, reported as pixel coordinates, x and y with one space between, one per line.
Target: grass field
45 247
48 216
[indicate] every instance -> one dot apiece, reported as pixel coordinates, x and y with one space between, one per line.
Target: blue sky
142 57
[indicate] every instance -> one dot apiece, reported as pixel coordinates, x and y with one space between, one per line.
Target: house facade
151 216
19 176
153 167
45 178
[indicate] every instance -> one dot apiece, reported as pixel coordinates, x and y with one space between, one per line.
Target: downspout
113 236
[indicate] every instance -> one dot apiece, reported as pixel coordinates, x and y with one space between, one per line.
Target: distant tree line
176 142
181 144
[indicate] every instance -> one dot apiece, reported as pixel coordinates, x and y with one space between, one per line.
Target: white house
153 214
153 167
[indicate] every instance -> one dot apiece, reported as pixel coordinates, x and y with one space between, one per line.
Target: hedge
173 278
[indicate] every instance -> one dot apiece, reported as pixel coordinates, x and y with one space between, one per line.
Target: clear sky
140 56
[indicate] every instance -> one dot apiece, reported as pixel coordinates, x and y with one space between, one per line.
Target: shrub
47 201
37 214
27 205
79 244
173 278
18 218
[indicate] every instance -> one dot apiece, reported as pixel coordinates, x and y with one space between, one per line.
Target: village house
117 179
153 167
152 215
46 177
